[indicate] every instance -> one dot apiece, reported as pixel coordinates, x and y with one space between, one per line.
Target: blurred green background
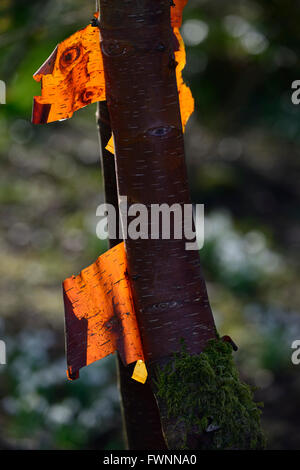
242 147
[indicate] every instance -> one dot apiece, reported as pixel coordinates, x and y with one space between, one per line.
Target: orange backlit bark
100 317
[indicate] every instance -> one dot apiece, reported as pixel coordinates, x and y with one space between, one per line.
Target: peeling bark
168 288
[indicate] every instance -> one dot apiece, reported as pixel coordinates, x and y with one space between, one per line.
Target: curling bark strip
99 313
73 77
169 291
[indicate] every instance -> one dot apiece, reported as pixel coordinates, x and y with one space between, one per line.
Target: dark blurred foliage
243 159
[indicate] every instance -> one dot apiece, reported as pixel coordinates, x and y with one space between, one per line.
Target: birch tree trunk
168 287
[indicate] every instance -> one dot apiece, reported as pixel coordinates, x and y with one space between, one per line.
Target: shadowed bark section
139 409
76 340
141 416
168 288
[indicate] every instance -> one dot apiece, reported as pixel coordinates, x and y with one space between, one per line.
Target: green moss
203 395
